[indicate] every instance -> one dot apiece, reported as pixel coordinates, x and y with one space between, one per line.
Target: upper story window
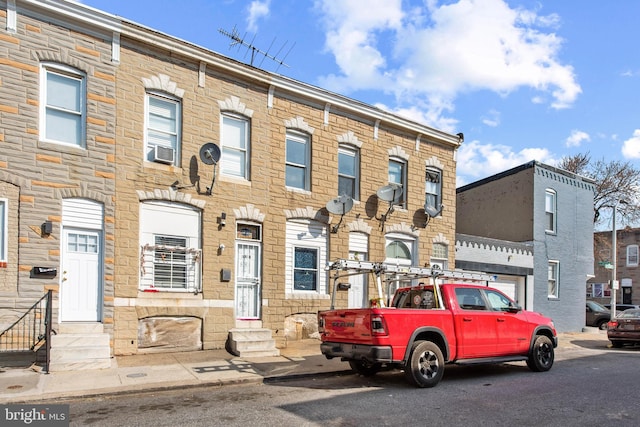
235 141
298 160
349 171
632 256
433 189
553 279
550 211
398 175
163 128
63 103
3 230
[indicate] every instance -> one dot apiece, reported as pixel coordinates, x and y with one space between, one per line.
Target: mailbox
44 272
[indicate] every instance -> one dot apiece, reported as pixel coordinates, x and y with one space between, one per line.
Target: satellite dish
210 153
340 205
391 193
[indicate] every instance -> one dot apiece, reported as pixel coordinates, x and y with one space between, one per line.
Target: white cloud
257 10
492 118
352 37
631 147
436 52
476 161
576 138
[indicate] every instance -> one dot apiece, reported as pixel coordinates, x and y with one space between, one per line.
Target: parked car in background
625 328
623 307
597 315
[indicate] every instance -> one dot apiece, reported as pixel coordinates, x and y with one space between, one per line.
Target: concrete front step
79 346
252 343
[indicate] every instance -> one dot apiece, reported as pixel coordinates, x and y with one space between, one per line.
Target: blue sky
523 80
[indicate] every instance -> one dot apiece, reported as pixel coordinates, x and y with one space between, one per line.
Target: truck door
513 330
475 325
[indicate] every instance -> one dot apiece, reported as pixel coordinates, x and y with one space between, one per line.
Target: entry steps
78 346
252 342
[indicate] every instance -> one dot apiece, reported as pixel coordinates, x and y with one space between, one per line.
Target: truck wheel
425 366
365 369
616 344
541 355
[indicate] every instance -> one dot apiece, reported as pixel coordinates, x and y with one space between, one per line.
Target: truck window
415 298
470 299
498 301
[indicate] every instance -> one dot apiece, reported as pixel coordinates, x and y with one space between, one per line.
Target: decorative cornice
163 82
306 213
233 104
170 195
248 213
350 138
359 226
300 124
402 228
484 243
434 162
397 151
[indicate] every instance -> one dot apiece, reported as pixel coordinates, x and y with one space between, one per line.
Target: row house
532 227
58 172
192 201
627 271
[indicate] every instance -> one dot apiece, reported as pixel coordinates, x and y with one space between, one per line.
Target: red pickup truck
427 326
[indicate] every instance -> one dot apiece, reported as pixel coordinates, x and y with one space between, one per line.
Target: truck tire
365 369
541 355
425 366
616 344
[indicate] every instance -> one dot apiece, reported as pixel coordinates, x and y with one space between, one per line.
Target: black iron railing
32 331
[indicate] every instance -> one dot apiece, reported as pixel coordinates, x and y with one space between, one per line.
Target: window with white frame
349 171
63 105
399 251
170 251
163 128
440 256
398 175
3 230
305 269
306 253
433 188
298 160
235 141
553 279
632 256
550 211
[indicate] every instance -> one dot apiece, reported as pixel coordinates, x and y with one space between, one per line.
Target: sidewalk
162 371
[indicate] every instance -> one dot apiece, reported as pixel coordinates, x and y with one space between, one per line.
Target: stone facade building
58 168
194 200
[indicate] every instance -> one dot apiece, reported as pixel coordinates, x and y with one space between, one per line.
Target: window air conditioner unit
163 154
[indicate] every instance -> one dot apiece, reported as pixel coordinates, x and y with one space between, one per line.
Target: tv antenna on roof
237 40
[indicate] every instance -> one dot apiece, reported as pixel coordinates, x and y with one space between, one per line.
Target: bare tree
617 184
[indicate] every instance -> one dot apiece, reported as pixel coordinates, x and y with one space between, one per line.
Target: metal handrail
33 327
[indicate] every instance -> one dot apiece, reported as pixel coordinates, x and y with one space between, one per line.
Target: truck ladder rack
345 268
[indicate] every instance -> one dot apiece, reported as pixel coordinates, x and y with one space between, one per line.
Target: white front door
80 287
247 280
